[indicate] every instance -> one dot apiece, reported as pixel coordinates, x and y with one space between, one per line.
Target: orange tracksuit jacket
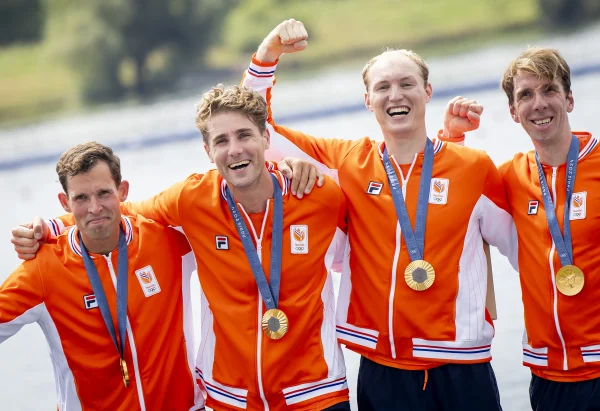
562 334
238 366
54 291
561 341
378 315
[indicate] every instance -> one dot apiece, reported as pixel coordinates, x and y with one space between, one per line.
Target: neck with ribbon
419 274
122 271
274 321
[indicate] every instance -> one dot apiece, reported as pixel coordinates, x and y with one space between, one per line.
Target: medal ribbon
269 292
122 268
564 245
415 241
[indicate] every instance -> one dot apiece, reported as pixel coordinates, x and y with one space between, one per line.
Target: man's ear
571 102
428 91
64 202
123 190
368 101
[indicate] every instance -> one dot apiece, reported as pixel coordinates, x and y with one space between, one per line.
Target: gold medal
124 372
275 323
419 275
570 280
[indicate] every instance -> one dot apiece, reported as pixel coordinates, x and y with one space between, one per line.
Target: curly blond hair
231 99
418 60
545 63
82 157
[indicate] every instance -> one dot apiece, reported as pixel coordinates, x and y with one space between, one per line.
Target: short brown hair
545 63
234 99
418 60
82 157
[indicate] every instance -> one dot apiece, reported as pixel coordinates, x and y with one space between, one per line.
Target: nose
235 148
95 205
396 93
539 101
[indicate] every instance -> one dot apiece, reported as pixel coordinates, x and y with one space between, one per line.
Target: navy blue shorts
546 395
342 406
450 387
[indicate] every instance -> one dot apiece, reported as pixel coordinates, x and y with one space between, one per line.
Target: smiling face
541 107
397 95
94 198
237 147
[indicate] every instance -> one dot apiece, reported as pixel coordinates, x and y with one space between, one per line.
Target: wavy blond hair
236 99
545 63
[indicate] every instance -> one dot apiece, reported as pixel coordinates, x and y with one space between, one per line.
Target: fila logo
222 242
89 301
532 209
299 239
374 188
578 206
148 281
438 191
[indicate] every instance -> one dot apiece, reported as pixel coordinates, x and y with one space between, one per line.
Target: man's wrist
264 55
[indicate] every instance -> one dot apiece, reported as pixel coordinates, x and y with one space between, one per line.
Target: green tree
138 46
20 21
569 13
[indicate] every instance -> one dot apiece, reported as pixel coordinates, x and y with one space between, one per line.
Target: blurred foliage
569 13
131 46
32 85
21 21
106 50
339 29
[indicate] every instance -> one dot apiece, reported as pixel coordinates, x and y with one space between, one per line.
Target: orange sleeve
162 208
21 299
455 140
286 142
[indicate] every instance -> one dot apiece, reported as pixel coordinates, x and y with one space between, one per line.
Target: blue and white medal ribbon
569 279
122 267
274 321
419 274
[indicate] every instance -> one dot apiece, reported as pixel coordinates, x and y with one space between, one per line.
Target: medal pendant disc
124 372
419 275
275 323
570 280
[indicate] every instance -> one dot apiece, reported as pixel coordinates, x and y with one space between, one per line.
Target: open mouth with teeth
542 122
239 165
398 111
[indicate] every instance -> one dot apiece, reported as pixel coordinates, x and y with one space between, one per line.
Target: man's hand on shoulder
27 238
303 174
462 115
289 36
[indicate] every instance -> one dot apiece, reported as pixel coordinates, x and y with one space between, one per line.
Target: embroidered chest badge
374 188
89 301
148 281
532 207
438 192
578 206
222 242
299 239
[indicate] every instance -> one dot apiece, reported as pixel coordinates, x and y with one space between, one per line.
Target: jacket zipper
259 333
553 278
